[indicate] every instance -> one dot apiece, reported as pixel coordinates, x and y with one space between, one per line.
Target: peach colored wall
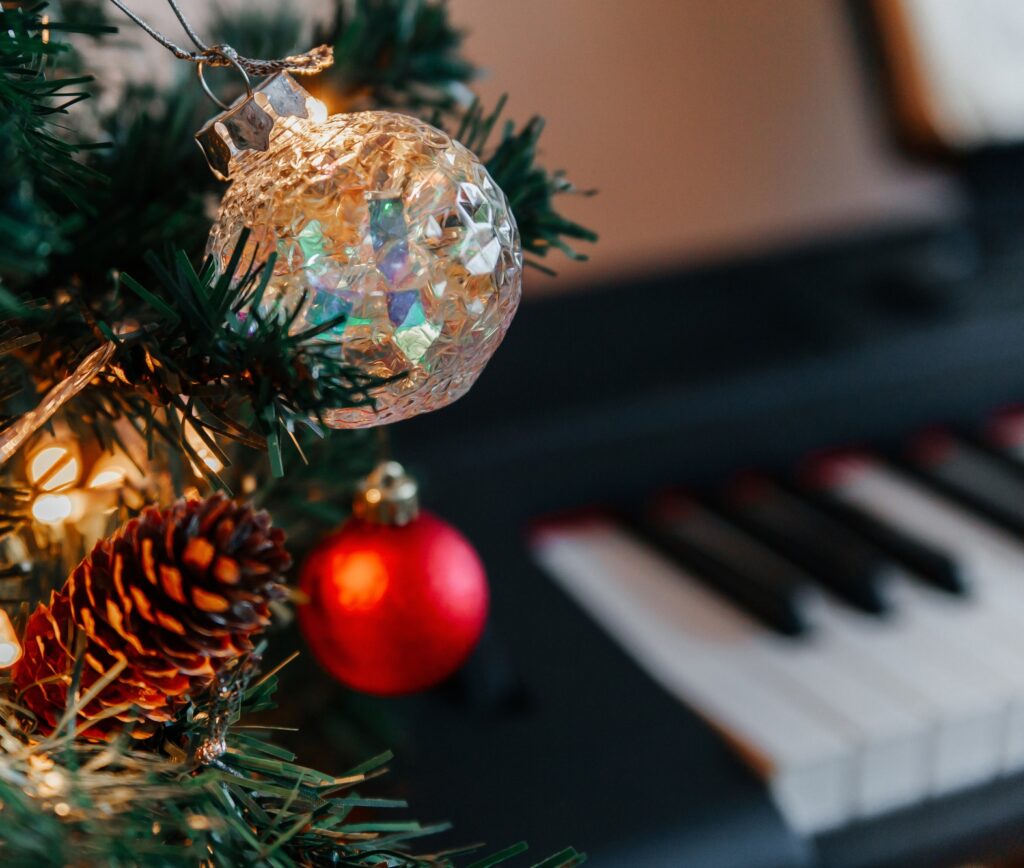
709 126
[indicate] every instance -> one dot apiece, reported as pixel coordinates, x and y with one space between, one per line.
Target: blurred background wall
709 127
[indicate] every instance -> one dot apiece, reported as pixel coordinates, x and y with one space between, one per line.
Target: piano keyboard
855 632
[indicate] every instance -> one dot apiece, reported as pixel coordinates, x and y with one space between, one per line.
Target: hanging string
196 41
310 62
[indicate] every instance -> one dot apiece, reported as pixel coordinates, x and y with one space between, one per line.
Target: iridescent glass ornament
377 216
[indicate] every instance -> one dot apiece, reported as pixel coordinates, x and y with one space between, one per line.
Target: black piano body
603 397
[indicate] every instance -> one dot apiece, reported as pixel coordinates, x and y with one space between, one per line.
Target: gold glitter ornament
377 216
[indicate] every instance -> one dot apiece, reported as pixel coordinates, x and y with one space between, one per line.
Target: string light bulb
112 477
80 489
54 467
10 647
112 471
52 508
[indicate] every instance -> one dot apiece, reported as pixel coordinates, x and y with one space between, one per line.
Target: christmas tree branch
196 351
398 53
227 365
202 366
41 175
67 800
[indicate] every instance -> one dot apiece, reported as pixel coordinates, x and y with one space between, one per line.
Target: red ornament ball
393 609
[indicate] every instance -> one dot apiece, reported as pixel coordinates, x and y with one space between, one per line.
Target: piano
758 597
761 602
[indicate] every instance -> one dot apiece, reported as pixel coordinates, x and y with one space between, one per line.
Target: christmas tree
192 399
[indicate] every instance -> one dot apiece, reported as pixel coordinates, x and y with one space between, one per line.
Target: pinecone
175 593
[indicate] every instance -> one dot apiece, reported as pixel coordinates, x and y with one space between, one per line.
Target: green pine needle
42 173
129 804
397 54
245 374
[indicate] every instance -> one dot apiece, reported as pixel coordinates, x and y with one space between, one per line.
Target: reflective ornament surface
393 610
387 220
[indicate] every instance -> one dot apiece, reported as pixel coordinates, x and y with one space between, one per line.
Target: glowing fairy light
53 467
110 478
10 647
113 471
52 508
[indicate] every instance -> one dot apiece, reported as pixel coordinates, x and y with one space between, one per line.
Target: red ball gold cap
388 495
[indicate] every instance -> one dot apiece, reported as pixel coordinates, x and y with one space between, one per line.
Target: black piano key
965 473
1003 438
926 562
1004 434
830 553
714 553
1009 456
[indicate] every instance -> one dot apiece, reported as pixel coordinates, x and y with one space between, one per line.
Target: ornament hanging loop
231 56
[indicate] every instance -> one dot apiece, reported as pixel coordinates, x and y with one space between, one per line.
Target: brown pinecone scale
175 593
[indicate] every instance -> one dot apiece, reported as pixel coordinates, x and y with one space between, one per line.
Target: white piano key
986 552
893 736
985 637
836 744
968 720
985 629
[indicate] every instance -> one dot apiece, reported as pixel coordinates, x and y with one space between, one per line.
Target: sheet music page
959 68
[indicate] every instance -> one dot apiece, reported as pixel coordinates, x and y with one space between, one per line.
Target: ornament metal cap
388 495
247 124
